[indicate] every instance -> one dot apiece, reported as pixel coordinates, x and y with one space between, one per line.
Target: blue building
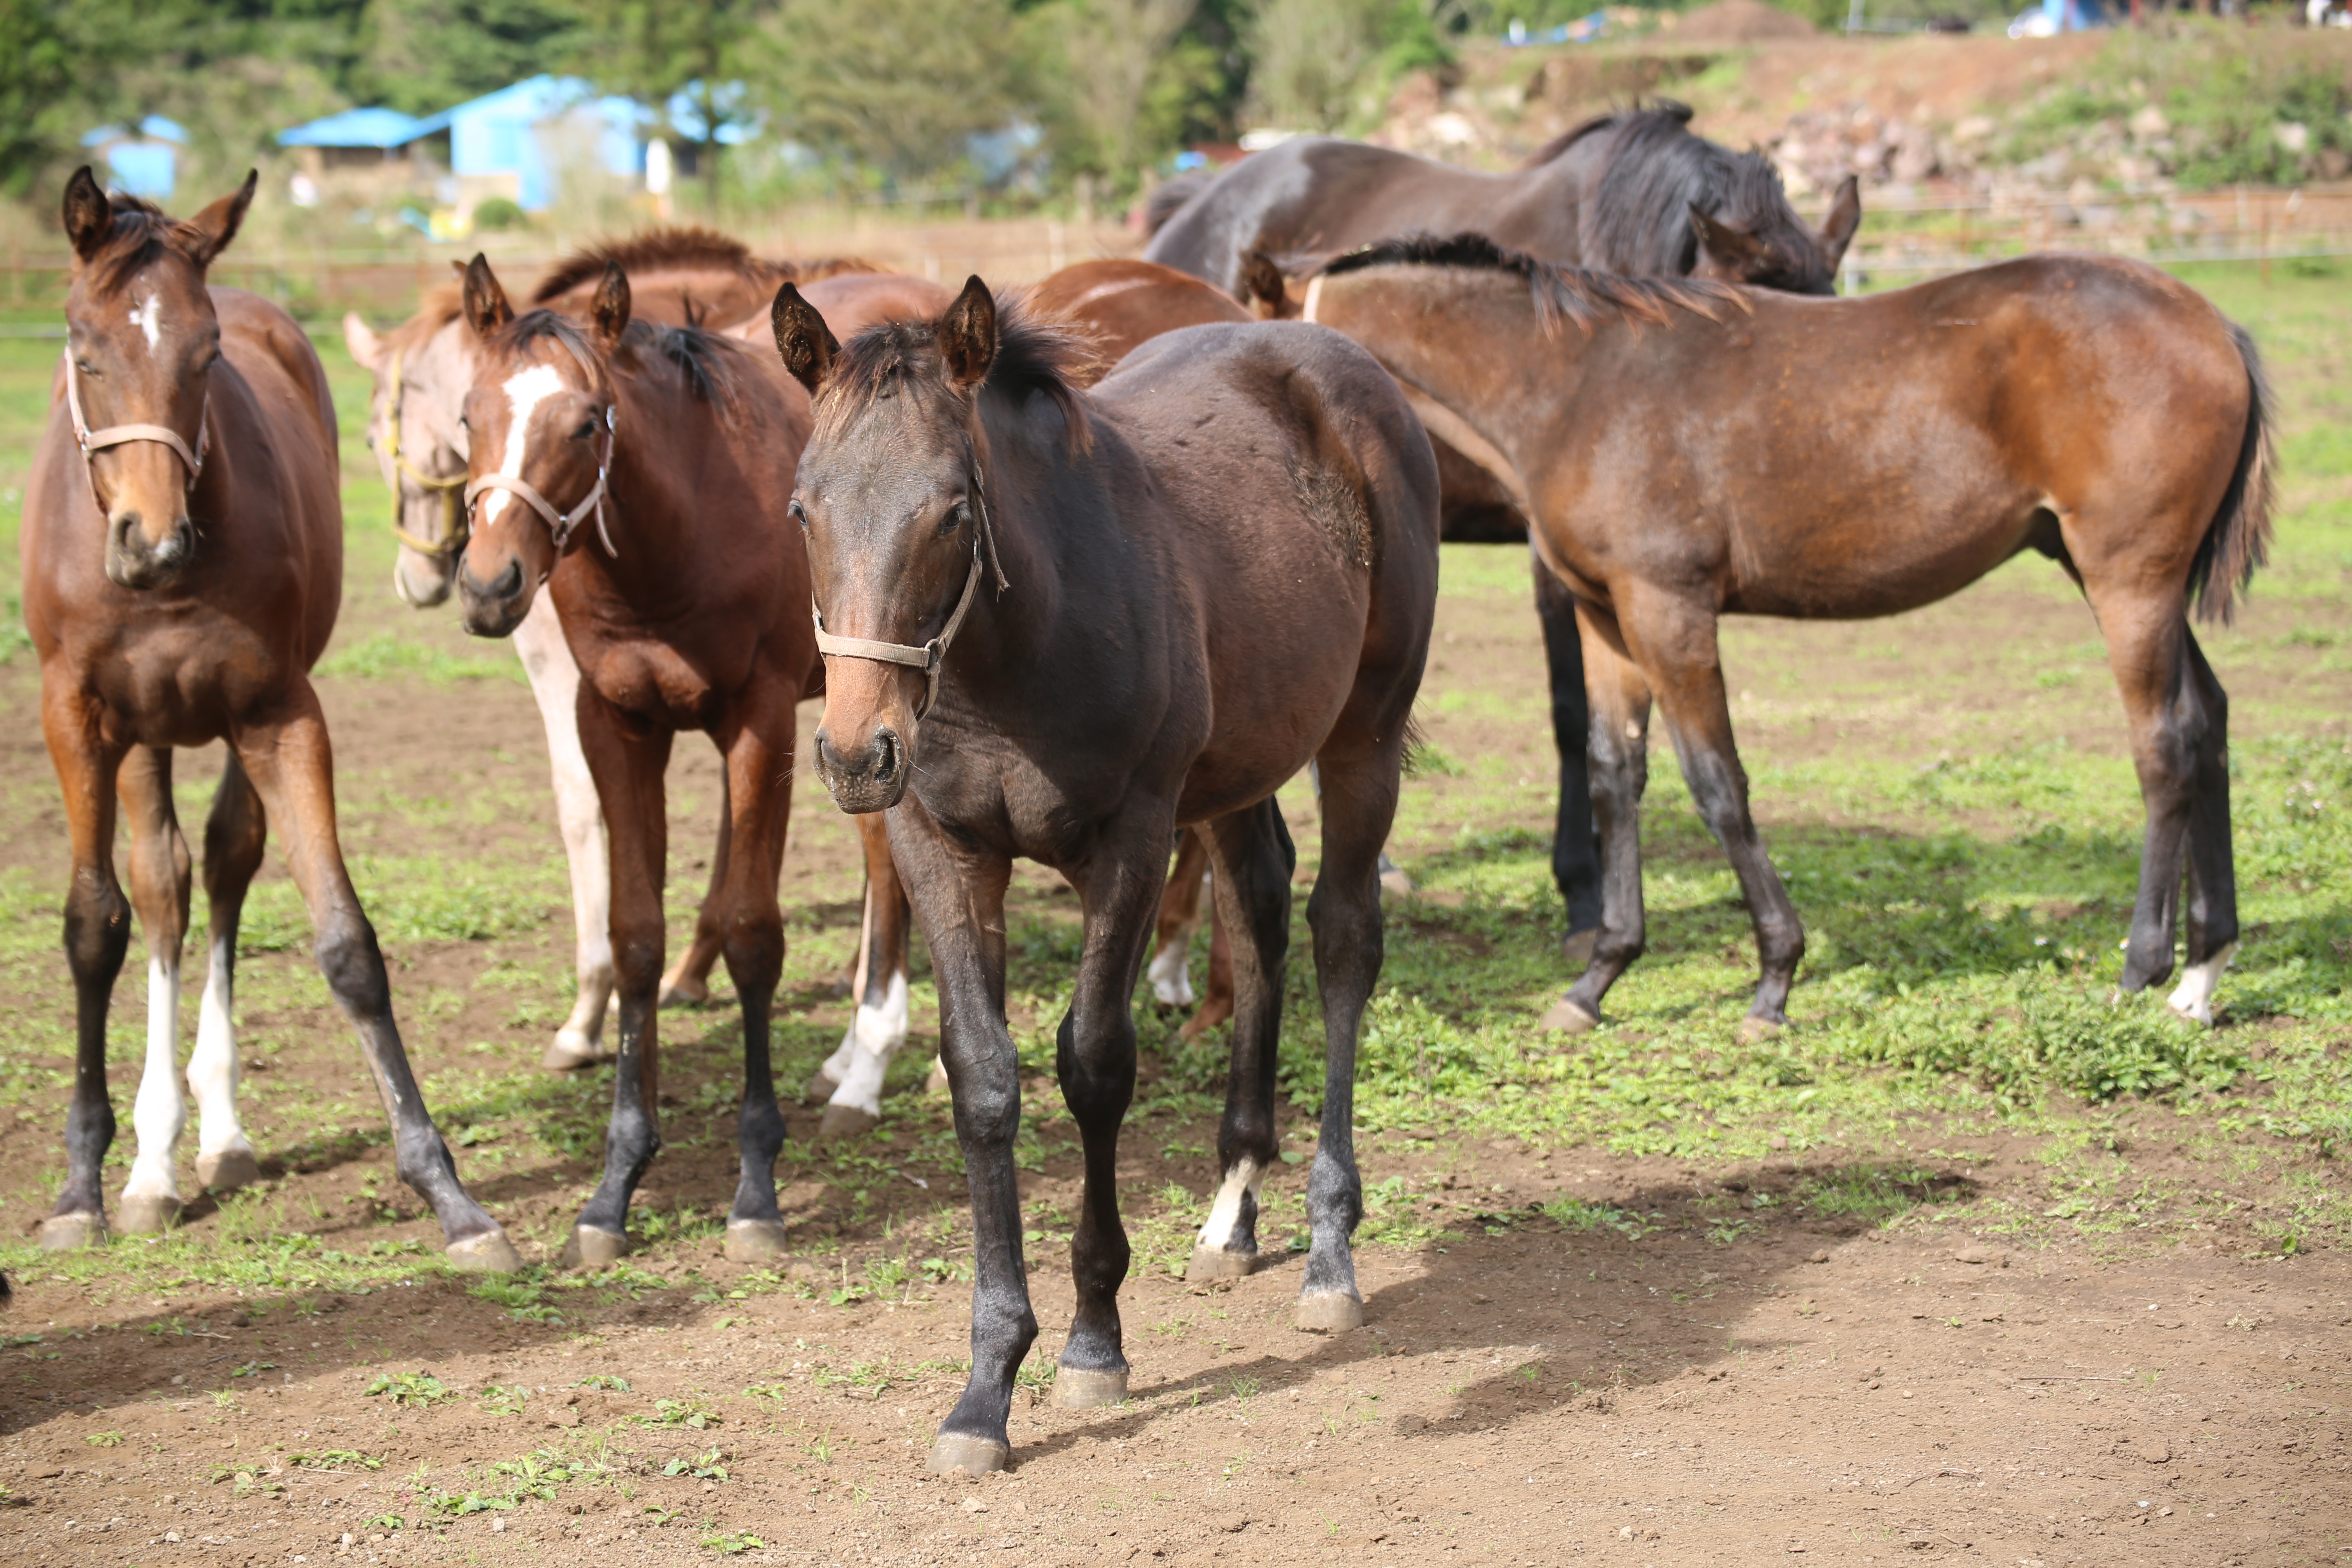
142 160
512 143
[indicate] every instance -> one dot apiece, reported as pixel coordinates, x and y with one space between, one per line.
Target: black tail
2239 541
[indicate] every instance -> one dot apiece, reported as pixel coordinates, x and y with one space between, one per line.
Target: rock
1817 1255
2150 122
2153 1449
1982 1255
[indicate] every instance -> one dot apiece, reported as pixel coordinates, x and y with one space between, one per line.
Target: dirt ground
1523 1393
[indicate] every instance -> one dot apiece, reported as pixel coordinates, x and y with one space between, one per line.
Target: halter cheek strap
92 440
453 511
561 524
926 657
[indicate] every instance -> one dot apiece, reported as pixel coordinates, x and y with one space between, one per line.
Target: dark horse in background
183 565
1633 192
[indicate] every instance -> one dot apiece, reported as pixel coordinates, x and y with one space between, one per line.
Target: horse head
890 496
141 341
539 422
1774 248
421 375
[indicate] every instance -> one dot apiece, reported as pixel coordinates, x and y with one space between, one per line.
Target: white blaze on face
149 322
526 390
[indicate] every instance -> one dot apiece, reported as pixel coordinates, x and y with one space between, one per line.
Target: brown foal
641 474
182 549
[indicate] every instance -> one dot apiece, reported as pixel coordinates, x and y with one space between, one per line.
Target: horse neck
1022 468
652 507
1543 363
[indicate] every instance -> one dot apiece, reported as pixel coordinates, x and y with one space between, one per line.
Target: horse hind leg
1618 744
234 835
2212 904
159 892
555 686
98 933
2169 734
1170 970
687 983
878 1027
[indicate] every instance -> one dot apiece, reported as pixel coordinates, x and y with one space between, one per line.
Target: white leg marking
1246 1176
213 1070
159 1115
1170 970
875 1036
2193 997
555 682
524 391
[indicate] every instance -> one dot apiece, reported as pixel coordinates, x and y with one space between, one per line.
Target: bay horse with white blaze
1689 451
1058 625
639 474
182 549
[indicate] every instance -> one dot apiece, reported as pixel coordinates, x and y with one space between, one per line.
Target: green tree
422 56
38 77
1123 82
898 86
653 50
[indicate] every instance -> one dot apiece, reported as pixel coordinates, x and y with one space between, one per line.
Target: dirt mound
1741 21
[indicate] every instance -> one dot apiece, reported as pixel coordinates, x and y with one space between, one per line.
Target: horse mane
1666 108
700 361
654 249
1639 217
141 232
1034 355
442 304
1579 293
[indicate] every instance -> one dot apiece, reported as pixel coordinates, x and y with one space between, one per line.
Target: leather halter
926 657
453 510
92 440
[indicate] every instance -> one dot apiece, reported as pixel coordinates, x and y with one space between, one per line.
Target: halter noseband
926 657
450 542
92 440
561 524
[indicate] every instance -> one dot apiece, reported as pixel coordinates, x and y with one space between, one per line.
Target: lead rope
453 510
91 440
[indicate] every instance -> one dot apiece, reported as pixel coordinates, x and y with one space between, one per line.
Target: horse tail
2238 541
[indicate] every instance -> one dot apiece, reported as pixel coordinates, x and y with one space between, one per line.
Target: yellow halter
453 509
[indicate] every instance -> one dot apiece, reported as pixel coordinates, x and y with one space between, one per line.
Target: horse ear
968 333
486 303
367 349
1735 252
804 341
89 215
1845 217
1263 286
610 309
218 224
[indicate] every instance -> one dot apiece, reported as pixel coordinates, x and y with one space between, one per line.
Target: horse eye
797 515
586 432
86 368
958 515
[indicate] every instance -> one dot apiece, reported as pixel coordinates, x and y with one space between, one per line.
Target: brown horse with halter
423 369
182 549
639 475
1689 451
1049 616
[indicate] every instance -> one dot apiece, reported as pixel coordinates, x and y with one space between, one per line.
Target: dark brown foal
182 549
640 473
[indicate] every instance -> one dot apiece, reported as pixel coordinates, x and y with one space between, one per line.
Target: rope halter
92 440
926 657
453 511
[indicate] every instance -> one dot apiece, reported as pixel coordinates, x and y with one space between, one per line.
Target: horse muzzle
138 561
871 778
494 609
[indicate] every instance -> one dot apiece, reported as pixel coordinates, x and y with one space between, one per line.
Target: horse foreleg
856 1070
628 766
234 835
960 901
159 892
687 983
1618 743
1094 1058
2212 868
759 774
555 684
98 933
1575 858
1252 857
291 764
1179 916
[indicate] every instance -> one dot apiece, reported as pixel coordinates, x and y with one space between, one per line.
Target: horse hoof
1331 1312
69 1232
593 1246
228 1170
821 1087
489 1253
569 1052
1075 1388
938 1082
1395 881
754 1240
1576 948
148 1216
677 991
846 1121
1217 1263
1567 1016
1755 1031
955 1454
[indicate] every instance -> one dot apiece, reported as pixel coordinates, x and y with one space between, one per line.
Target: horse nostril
507 585
886 755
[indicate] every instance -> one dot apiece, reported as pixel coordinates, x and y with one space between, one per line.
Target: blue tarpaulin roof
361 128
155 128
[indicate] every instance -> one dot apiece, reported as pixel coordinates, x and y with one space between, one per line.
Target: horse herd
1066 612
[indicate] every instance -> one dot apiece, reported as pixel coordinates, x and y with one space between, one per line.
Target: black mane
703 361
1579 293
1658 170
1034 355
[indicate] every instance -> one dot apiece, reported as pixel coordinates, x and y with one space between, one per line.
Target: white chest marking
525 391
149 323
